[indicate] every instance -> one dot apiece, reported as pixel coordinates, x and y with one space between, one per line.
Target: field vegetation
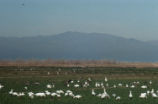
117 82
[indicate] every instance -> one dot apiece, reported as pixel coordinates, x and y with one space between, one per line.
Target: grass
14 78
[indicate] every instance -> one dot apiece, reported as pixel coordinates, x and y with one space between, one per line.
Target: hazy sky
128 18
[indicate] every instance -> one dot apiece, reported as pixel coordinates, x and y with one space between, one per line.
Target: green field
36 80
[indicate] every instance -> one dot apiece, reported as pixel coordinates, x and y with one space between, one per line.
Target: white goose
40 94
77 96
31 95
143 95
1 86
106 79
118 98
130 94
154 95
143 86
93 93
105 94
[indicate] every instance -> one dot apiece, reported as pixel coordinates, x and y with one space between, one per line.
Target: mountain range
78 46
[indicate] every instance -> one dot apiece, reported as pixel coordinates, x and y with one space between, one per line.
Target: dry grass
76 63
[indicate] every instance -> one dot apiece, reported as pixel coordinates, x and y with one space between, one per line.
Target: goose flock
99 89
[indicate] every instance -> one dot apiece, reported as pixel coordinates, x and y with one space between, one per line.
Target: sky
127 18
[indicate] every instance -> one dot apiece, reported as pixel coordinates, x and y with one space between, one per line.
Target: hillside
76 45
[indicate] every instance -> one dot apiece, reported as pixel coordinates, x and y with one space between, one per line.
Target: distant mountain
153 42
76 45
